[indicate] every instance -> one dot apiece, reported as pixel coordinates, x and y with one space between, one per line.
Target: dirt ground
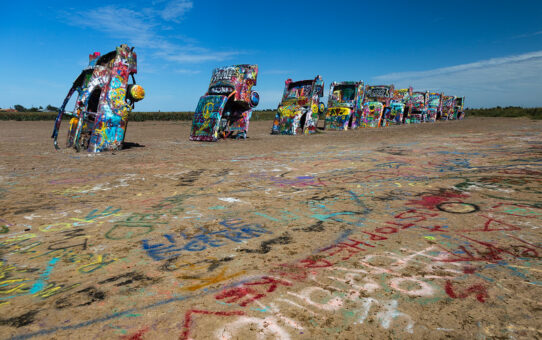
424 231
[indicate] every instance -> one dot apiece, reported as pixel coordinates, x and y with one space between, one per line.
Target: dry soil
423 231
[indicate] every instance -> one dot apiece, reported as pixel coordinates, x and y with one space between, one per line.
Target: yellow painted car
345 105
300 107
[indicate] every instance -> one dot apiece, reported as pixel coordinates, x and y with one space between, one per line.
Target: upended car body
434 106
400 106
376 105
104 100
300 107
418 106
345 105
448 103
225 110
459 104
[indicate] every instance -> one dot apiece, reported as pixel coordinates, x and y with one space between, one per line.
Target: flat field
424 231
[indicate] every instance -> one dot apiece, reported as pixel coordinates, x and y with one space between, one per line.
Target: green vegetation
511 111
143 116
263 115
134 116
21 108
28 116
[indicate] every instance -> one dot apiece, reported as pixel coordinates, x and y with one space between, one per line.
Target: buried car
372 114
104 100
434 106
345 105
459 112
447 107
418 107
400 106
225 110
300 107
376 105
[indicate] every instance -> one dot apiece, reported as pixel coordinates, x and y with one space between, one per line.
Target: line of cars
226 108
106 96
354 105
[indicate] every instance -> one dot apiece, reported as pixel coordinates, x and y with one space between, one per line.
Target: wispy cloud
175 10
186 71
116 21
527 35
511 80
147 28
194 57
465 67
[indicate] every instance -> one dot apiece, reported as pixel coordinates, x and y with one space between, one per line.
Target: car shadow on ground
129 145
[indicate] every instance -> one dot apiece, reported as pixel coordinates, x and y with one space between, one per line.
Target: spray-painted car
400 106
372 114
459 104
300 107
418 106
225 110
345 105
105 98
448 103
434 107
376 105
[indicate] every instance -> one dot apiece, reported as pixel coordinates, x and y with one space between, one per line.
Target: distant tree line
38 114
20 108
509 111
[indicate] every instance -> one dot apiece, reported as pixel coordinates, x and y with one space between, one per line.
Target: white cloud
194 57
145 29
527 35
119 22
186 71
175 10
511 80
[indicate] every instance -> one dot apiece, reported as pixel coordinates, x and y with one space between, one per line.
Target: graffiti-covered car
418 106
300 107
372 114
459 104
104 100
375 114
344 106
400 106
225 109
434 106
448 103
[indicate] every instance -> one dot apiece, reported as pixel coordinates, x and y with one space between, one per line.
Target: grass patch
143 116
28 116
134 116
263 115
510 111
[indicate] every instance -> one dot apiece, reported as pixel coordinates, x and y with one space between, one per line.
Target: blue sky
490 52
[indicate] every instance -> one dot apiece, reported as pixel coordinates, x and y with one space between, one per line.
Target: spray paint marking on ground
430 237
